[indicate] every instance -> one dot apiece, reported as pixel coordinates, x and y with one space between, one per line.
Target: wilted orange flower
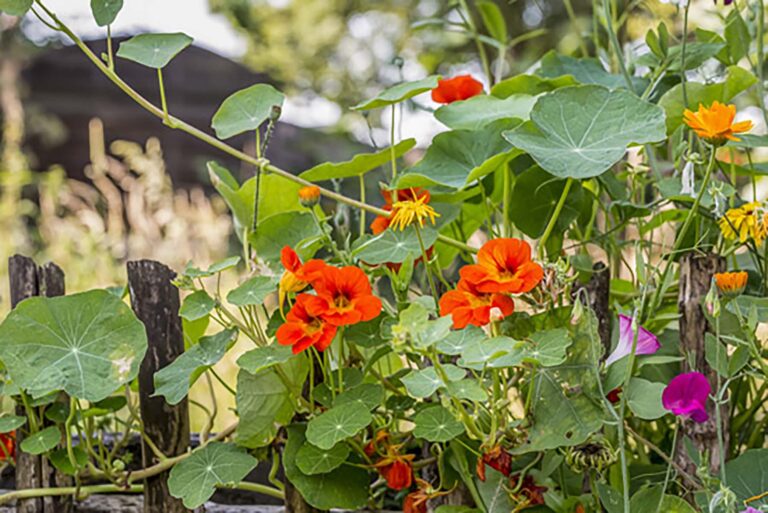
344 297
614 396
731 284
7 446
309 195
297 276
531 493
715 123
460 87
302 329
381 223
466 305
498 459
504 266
416 501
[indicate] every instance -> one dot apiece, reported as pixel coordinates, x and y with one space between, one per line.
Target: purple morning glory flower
647 343
686 396
750 509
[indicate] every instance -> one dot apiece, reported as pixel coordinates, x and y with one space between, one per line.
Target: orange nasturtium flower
731 284
396 468
344 297
303 330
309 195
406 212
748 220
715 123
498 459
503 266
416 501
381 223
466 305
460 87
297 276
7 446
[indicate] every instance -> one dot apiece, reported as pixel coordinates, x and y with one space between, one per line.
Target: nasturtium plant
359 165
154 50
399 93
246 110
105 11
15 7
87 344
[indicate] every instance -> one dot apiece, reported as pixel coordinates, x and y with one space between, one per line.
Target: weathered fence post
696 272
28 280
597 298
155 301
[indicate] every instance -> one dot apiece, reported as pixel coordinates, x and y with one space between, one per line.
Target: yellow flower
404 213
731 284
746 221
715 123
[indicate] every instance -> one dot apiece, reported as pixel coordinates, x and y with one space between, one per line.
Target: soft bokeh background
325 54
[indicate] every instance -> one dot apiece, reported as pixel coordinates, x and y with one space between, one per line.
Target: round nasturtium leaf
252 291
10 422
246 110
312 460
15 7
154 50
195 478
42 441
436 424
87 344
581 131
337 424
105 11
399 93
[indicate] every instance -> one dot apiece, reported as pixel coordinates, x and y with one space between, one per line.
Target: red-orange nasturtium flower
503 266
715 123
530 492
297 276
302 329
498 459
454 89
416 501
344 297
381 223
7 446
466 305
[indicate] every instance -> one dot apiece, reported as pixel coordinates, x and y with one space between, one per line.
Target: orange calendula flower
715 123
309 195
381 223
297 276
458 88
748 220
7 446
503 266
466 305
302 329
731 284
344 297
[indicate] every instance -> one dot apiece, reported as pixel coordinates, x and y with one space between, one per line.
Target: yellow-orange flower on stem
748 220
503 266
715 123
406 212
731 284
309 196
297 276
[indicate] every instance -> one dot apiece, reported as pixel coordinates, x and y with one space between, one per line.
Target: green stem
425 258
507 200
479 44
761 58
222 382
362 199
392 155
575 25
110 55
555 215
682 53
163 102
614 40
255 487
79 491
668 474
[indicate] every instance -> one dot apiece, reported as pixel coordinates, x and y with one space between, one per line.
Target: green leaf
745 304
459 157
9 422
421 383
535 195
585 71
468 389
650 500
216 267
194 479
105 11
61 462
581 131
42 441
366 334
87 344
261 358
493 20
737 80
494 492
246 110
368 395
530 84
338 423
345 487
154 50
295 229
610 498
253 291
716 355
479 111
748 476
174 380
436 424
312 460
360 164
495 353
265 402
737 36
549 347
196 305
15 7
394 246
399 93
457 341
644 399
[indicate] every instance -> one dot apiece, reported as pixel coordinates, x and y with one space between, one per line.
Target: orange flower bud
309 196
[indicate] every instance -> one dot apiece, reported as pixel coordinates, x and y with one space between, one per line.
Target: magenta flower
647 343
686 396
750 509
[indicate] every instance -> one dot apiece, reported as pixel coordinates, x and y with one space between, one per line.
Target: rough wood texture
295 503
696 272
597 298
156 303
